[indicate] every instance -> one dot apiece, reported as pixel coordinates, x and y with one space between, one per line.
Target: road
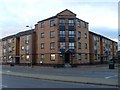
98 72
21 82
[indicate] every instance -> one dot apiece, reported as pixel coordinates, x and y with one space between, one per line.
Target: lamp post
29 58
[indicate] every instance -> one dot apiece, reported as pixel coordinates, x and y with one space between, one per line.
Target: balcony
62 39
71 27
62 27
71 39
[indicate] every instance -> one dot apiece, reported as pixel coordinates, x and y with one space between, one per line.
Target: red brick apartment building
58 40
19 48
101 48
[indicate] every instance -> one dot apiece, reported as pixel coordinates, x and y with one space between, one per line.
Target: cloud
107 32
16 14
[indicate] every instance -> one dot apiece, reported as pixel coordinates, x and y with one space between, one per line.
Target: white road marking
110 76
3 86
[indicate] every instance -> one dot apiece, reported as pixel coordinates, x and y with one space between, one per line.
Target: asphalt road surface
99 72
21 82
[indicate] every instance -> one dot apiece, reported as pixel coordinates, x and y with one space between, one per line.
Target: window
42 35
62 33
85 45
62 24
71 33
86 56
52 23
13 40
27 47
4 43
62 21
4 51
78 23
62 45
52 56
9 41
9 57
42 56
22 56
52 45
79 56
71 45
79 34
79 45
95 55
85 24
85 35
27 38
42 45
13 48
22 39
42 24
71 22
52 34
22 47
9 49
27 56
4 58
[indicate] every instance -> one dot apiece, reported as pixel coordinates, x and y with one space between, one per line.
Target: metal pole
31 59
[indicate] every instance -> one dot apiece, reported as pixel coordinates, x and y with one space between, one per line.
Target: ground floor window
4 58
52 56
22 56
71 45
95 56
86 56
27 56
42 56
9 57
79 57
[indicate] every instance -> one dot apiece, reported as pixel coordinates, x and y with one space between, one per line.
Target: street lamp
30 59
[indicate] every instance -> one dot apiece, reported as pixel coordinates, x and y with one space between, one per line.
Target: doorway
17 60
67 57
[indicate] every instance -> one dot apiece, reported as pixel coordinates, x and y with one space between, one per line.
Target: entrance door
67 57
17 61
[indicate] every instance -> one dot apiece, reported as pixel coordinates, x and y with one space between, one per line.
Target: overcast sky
102 15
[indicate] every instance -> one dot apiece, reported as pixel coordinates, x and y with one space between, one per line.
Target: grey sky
102 15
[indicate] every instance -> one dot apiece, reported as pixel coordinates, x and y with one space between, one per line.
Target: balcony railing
62 39
71 27
71 39
61 27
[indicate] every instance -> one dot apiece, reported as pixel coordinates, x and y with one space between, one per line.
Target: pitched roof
65 11
47 19
100 36
25 33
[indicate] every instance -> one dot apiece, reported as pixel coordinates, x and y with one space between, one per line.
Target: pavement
75 75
